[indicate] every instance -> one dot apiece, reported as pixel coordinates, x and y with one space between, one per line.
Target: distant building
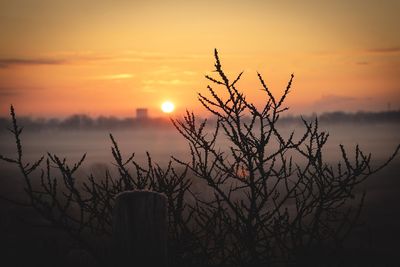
142 113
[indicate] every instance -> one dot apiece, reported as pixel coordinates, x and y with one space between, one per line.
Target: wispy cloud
385 50
148 89
171 72
190 73
66 57
139 56
8 62
8 91
165 82
119 76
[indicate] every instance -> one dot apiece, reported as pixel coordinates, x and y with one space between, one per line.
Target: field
375 242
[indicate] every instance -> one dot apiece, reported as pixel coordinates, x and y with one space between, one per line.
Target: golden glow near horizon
167 107
108 58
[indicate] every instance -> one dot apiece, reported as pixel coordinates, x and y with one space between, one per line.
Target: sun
167 107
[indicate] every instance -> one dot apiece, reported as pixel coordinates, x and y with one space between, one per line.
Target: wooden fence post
140 229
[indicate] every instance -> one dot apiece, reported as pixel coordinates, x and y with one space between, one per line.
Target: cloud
139 56
190 73
165 70
65 57
165 82
149 89
118 76
9 91
8 62
385 50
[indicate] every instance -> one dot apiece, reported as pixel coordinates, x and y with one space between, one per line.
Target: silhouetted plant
266 199
264 208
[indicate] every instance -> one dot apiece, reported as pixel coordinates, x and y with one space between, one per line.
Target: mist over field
162 140
380 218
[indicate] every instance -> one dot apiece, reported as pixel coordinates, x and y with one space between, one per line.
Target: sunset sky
110 57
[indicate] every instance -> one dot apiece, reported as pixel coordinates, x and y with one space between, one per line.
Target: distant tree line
360 117
346 117
85 122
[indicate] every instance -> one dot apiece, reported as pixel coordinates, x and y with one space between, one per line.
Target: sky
101 57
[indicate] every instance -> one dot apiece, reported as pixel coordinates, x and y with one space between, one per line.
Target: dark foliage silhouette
265 199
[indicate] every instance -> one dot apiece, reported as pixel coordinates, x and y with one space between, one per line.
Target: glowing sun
167 107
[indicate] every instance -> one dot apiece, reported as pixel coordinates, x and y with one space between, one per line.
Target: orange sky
111 57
